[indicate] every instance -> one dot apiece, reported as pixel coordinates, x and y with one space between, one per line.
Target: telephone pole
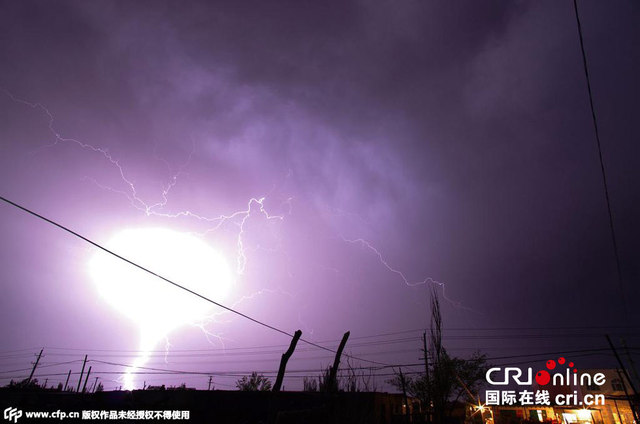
81 373
632 403
34 366
632 365
427 379
404 395
93 388
426 358
66 382
84 387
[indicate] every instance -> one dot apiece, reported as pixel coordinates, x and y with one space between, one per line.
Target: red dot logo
551 364
543 378
561 360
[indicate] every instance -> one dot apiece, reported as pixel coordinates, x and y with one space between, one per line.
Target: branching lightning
255 207
239 218
428 280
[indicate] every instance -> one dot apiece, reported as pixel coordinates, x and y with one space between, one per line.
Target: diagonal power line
131 262
602 168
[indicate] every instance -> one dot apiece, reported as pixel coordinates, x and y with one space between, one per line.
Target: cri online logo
543 377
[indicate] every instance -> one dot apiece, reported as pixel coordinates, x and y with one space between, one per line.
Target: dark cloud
455 137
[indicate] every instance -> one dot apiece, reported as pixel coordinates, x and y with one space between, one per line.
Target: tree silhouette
257 382
448 379
310 384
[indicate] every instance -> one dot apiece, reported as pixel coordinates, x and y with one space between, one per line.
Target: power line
142 370
596 332
577 352
249 350
43 366
217 352
592 327
28 350
262 360
602 168
234 374
164 371
130 262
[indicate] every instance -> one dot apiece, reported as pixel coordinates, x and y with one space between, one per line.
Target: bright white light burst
156 306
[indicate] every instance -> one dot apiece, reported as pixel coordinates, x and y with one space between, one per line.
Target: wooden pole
426 360
86 379
636 415
66 382
426 377
336 362
404 394
284 359
622 367
93 388
34 366
81 372
632 365
626 393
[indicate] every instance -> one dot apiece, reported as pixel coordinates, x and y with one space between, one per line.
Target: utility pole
85 380
621 364
426 358
404 395
426 377
632 365
34 366
632 404
81 372
284 359
93 388
336 362
210 379
626 393
66 382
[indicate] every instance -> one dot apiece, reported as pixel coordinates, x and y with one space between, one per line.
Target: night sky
389 147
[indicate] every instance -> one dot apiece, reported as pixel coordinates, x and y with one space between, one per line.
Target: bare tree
357 380
310 384
446 379
325 383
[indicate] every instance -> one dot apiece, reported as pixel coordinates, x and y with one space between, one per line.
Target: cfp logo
12 414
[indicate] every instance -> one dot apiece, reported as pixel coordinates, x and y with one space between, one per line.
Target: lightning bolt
239 218
255 207
427 280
